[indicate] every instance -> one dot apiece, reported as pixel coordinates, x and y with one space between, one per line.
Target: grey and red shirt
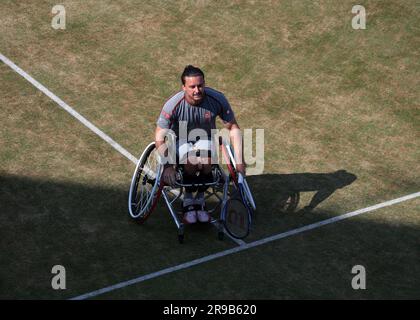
202 116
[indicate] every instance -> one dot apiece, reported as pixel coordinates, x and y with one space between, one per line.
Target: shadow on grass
277 189
86 228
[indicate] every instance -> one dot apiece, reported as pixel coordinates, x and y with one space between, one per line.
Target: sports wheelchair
228 193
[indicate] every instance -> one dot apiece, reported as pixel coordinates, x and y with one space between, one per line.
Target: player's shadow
281 191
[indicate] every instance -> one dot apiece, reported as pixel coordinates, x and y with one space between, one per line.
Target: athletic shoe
202 214
190 215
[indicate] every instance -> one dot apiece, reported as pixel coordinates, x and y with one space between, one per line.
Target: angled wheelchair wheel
145 187
237 218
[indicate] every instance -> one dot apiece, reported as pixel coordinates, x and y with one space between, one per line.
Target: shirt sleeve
226 113
165 118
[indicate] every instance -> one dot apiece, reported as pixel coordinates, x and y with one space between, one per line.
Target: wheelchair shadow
281 191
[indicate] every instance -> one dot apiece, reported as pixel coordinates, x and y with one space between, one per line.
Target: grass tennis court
328 98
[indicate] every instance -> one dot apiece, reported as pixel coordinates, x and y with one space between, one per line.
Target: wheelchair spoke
144 193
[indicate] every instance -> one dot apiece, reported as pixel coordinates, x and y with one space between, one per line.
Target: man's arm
160 141
235 135
169 172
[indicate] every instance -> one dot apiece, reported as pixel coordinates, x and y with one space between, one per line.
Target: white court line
82 119
70 110
244 247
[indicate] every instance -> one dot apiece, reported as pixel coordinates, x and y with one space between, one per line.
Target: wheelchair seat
215 178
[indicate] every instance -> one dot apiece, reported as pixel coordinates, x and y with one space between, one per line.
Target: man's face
194 89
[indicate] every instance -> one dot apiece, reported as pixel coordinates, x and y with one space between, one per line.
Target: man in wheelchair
191 115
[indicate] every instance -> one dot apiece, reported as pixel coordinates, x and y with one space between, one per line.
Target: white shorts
201 148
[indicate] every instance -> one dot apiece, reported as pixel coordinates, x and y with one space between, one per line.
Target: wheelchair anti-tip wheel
145 185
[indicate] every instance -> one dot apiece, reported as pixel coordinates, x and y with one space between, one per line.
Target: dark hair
191 71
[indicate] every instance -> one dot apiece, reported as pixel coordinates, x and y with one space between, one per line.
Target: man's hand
169 176
236 138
